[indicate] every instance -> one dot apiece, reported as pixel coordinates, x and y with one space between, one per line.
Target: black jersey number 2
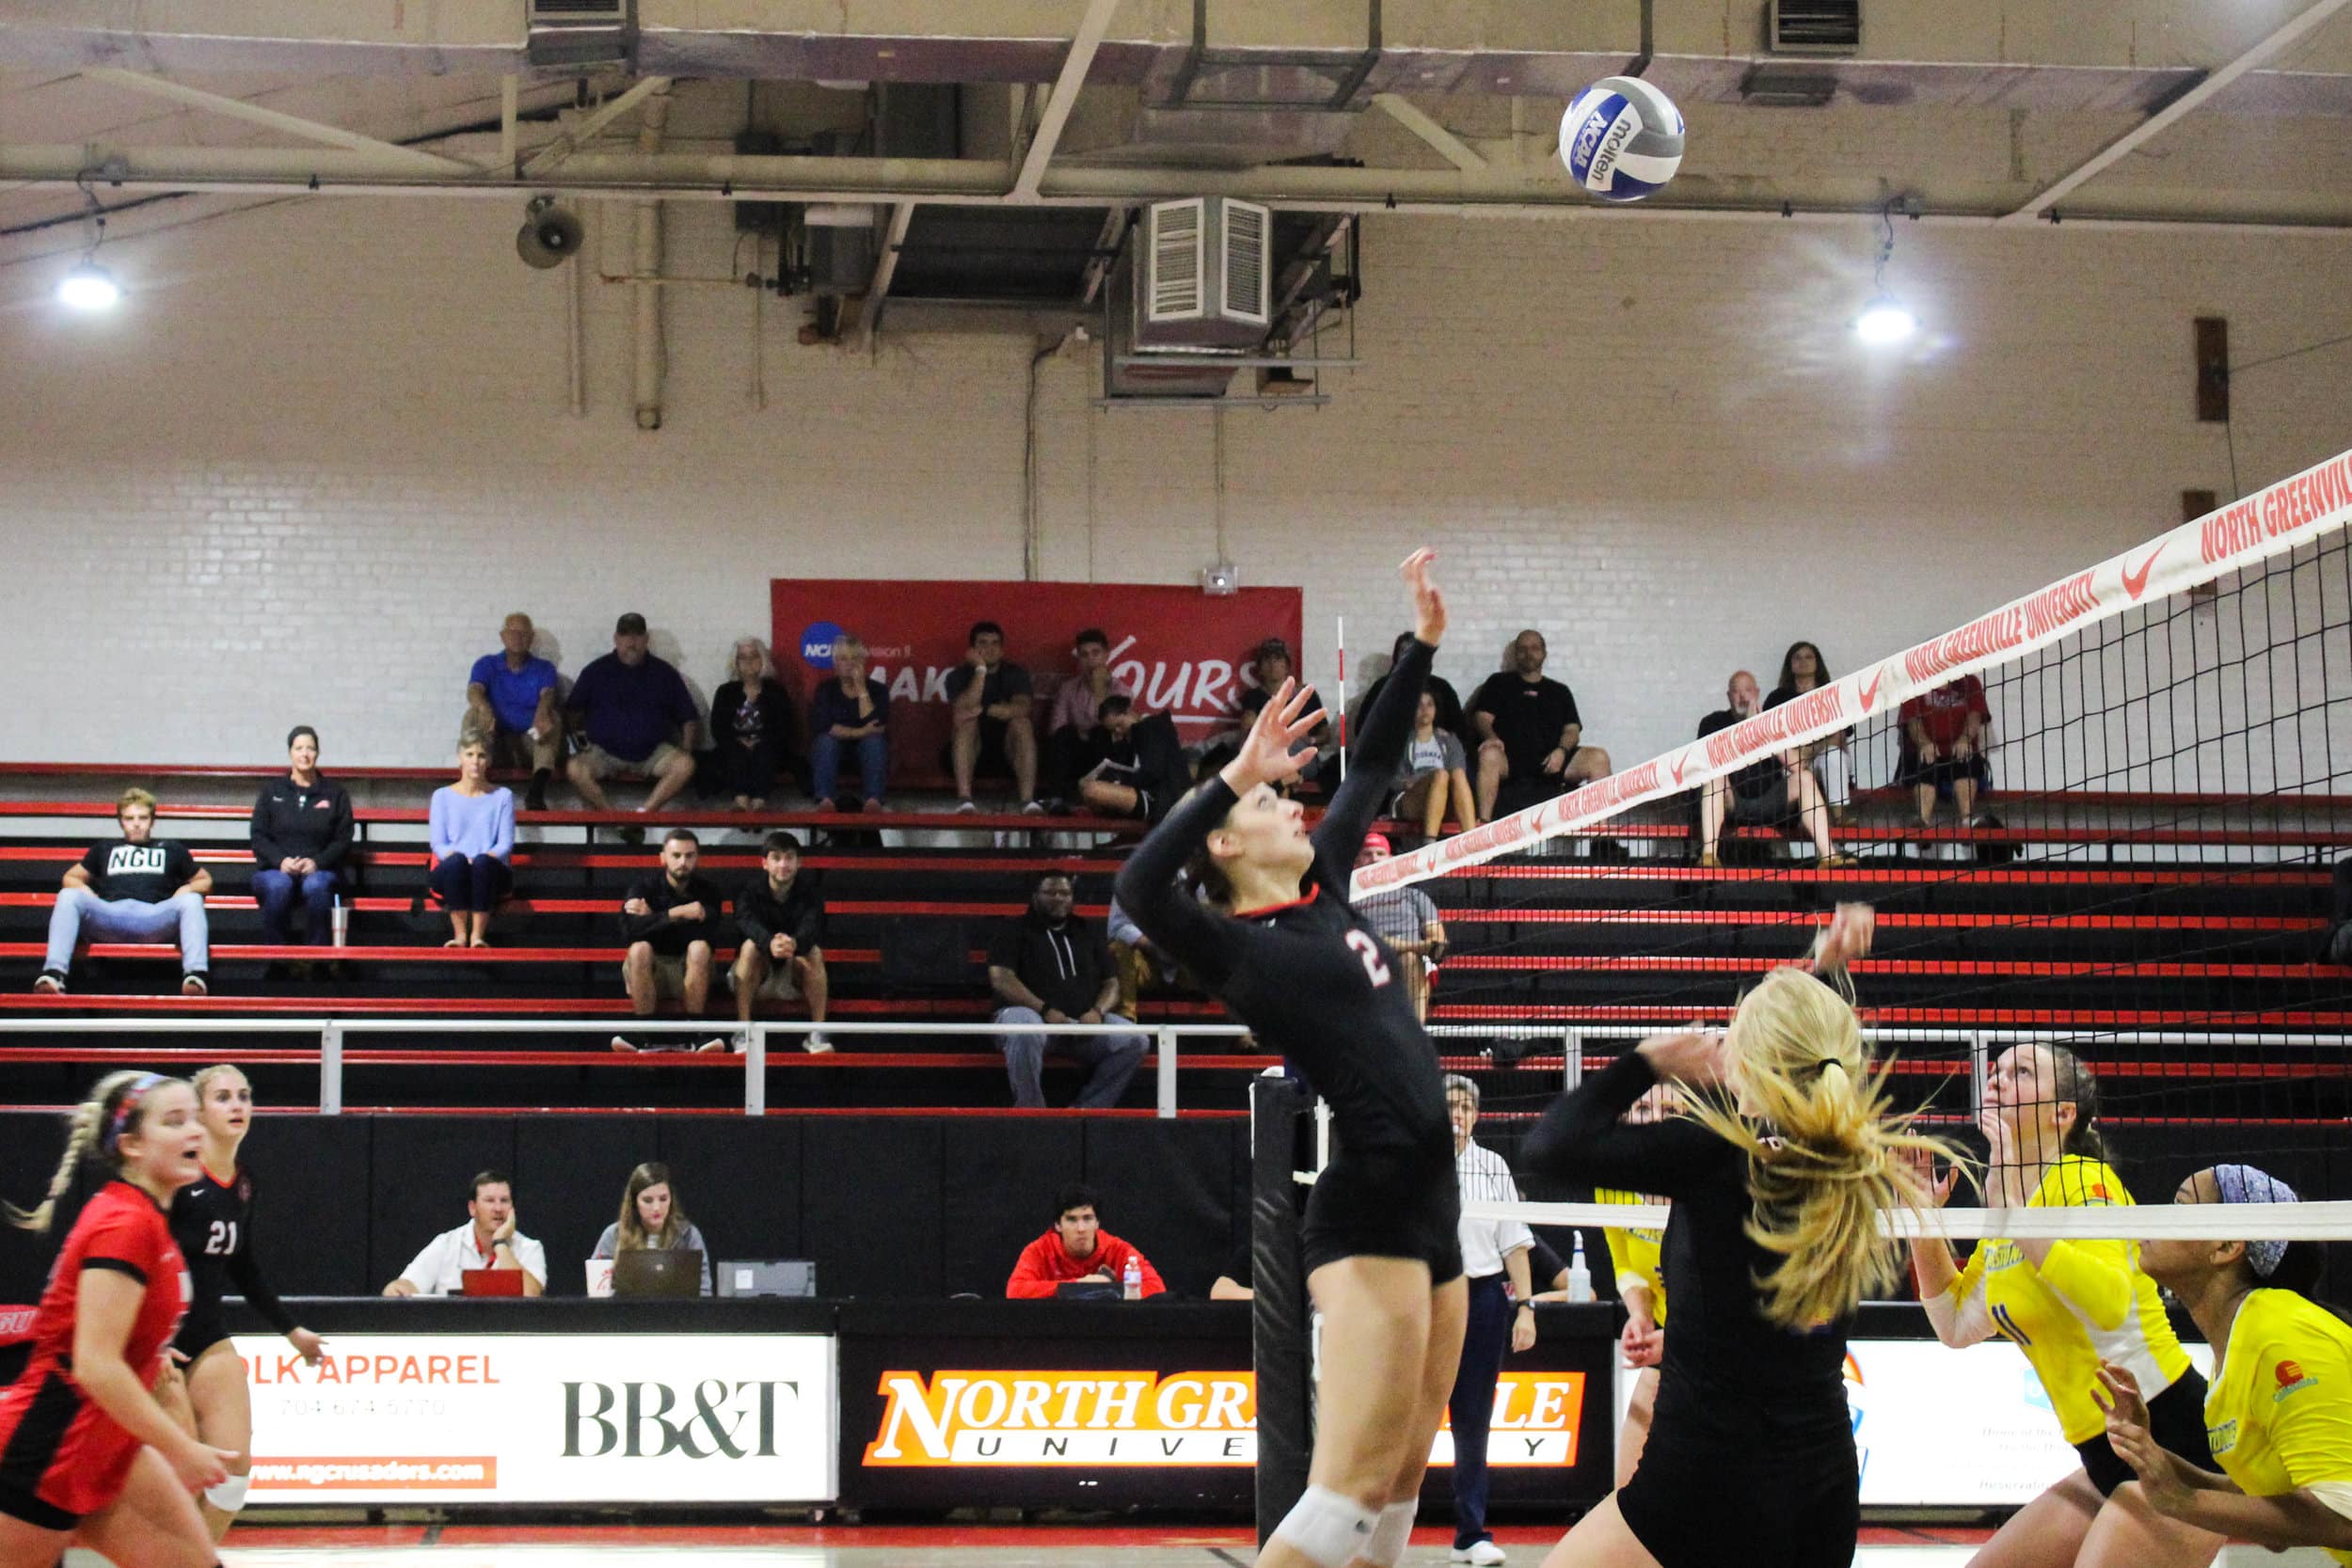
222 1241
1375 967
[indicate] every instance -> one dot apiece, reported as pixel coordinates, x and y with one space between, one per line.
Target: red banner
1181 652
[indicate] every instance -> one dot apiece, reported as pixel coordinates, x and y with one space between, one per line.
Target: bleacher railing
334 1053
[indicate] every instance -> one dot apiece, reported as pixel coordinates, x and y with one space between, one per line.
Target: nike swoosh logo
1682 762
2136 584
1871 692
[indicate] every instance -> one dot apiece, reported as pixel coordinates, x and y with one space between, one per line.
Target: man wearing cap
1271 661
629 703
1404 918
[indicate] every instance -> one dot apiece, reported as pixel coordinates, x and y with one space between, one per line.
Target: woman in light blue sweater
473 845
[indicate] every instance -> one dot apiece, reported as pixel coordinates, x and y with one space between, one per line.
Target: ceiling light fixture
1885 320
88 286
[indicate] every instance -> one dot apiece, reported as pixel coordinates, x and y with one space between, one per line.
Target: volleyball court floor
933 1546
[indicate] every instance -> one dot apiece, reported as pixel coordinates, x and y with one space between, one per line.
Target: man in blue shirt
512 702
629 703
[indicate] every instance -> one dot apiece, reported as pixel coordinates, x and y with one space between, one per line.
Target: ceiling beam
2177 110
586 131
885 268
1064 97
1452 149
293 125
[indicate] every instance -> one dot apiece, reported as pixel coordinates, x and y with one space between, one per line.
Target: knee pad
1327 1528
228 1496
1391 1534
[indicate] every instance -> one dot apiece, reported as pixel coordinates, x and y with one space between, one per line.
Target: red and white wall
327 444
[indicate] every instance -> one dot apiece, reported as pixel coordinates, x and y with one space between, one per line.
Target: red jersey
57 1448
1944 712
1046 1263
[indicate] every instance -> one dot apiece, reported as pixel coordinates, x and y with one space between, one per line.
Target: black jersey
1311 978
213 1223
1725 1365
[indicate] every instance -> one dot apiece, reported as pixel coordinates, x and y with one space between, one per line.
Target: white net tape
2236 1222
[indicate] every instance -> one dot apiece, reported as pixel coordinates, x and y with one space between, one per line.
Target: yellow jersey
1633 1254
2279 1412
2088 1301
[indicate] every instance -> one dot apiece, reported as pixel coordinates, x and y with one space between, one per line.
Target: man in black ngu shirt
670 921
780 914
1530 738
137 889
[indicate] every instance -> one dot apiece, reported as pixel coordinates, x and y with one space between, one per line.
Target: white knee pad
1391 1534
1327 1528
228 1496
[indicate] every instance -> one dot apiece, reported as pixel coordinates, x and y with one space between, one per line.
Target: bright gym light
89 287
1884 319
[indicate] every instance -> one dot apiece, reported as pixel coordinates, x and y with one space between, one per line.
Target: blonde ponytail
85 1136
1826 1154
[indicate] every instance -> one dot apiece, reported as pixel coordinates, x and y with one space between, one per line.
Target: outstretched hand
1847 937
1428 602
1266 755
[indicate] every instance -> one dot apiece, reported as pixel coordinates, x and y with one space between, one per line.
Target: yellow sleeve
2096 1277
2309 1384
1971 1274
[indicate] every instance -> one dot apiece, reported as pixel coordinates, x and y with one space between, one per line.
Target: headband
2247 1185
127 1107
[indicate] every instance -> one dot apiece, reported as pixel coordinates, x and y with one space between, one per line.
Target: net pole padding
2195 1222
1277 1311
2293 511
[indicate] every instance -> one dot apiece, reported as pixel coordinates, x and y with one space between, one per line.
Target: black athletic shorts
1387 1203
200 1331
1709 1498
2176 1419
41 1516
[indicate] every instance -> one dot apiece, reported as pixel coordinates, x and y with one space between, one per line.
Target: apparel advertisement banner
1181 652
545 1418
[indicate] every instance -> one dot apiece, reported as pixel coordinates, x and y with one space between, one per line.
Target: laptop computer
643 1272
777 1276
491 1282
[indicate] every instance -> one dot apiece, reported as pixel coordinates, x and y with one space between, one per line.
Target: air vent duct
1204 275
1814 27
572 32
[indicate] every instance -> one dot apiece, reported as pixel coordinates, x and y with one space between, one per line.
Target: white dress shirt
1486 1178
440 1270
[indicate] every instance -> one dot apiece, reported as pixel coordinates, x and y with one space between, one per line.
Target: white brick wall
326 446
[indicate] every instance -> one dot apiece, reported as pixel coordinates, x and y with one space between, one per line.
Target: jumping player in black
1777 1177
1308 976
212 1221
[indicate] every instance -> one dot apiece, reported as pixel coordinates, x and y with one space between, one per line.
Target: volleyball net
2099 826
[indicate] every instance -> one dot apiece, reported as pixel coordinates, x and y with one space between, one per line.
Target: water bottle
1131 1279
1579 1275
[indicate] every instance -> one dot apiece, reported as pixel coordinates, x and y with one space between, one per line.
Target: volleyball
1621 139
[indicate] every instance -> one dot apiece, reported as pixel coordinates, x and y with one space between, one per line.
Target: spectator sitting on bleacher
1450 717
1406 920
1942 750
1078 710
671 922
1764 794
1271 662
1139 966
1831 759
471 831
630 705
1530 734
1134 764
489 1239
1435 771
781 915
137 889
751 726
653 1220
991 698
851 710
513 700
1050 966
301 834
1077 1247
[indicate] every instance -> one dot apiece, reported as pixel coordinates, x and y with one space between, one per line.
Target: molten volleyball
1621 139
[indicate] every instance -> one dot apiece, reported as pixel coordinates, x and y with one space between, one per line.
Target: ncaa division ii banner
1181 652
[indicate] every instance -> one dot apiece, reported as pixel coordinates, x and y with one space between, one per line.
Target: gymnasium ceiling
2195 112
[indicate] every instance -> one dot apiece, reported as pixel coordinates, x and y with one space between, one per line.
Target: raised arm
1164 909
1581 1139
1387 728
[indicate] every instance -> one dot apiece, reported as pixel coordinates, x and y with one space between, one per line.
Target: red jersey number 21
1375 967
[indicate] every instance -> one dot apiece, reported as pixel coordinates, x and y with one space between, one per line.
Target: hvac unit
572 33
1814 27
577 14
1202 275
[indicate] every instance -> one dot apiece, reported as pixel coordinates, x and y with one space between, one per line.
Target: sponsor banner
1176 1420
545 1418
16 1325
2244 533
1181 652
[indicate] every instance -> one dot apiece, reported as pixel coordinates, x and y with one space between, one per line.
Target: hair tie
2251 1185
1821 1065
124 1109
